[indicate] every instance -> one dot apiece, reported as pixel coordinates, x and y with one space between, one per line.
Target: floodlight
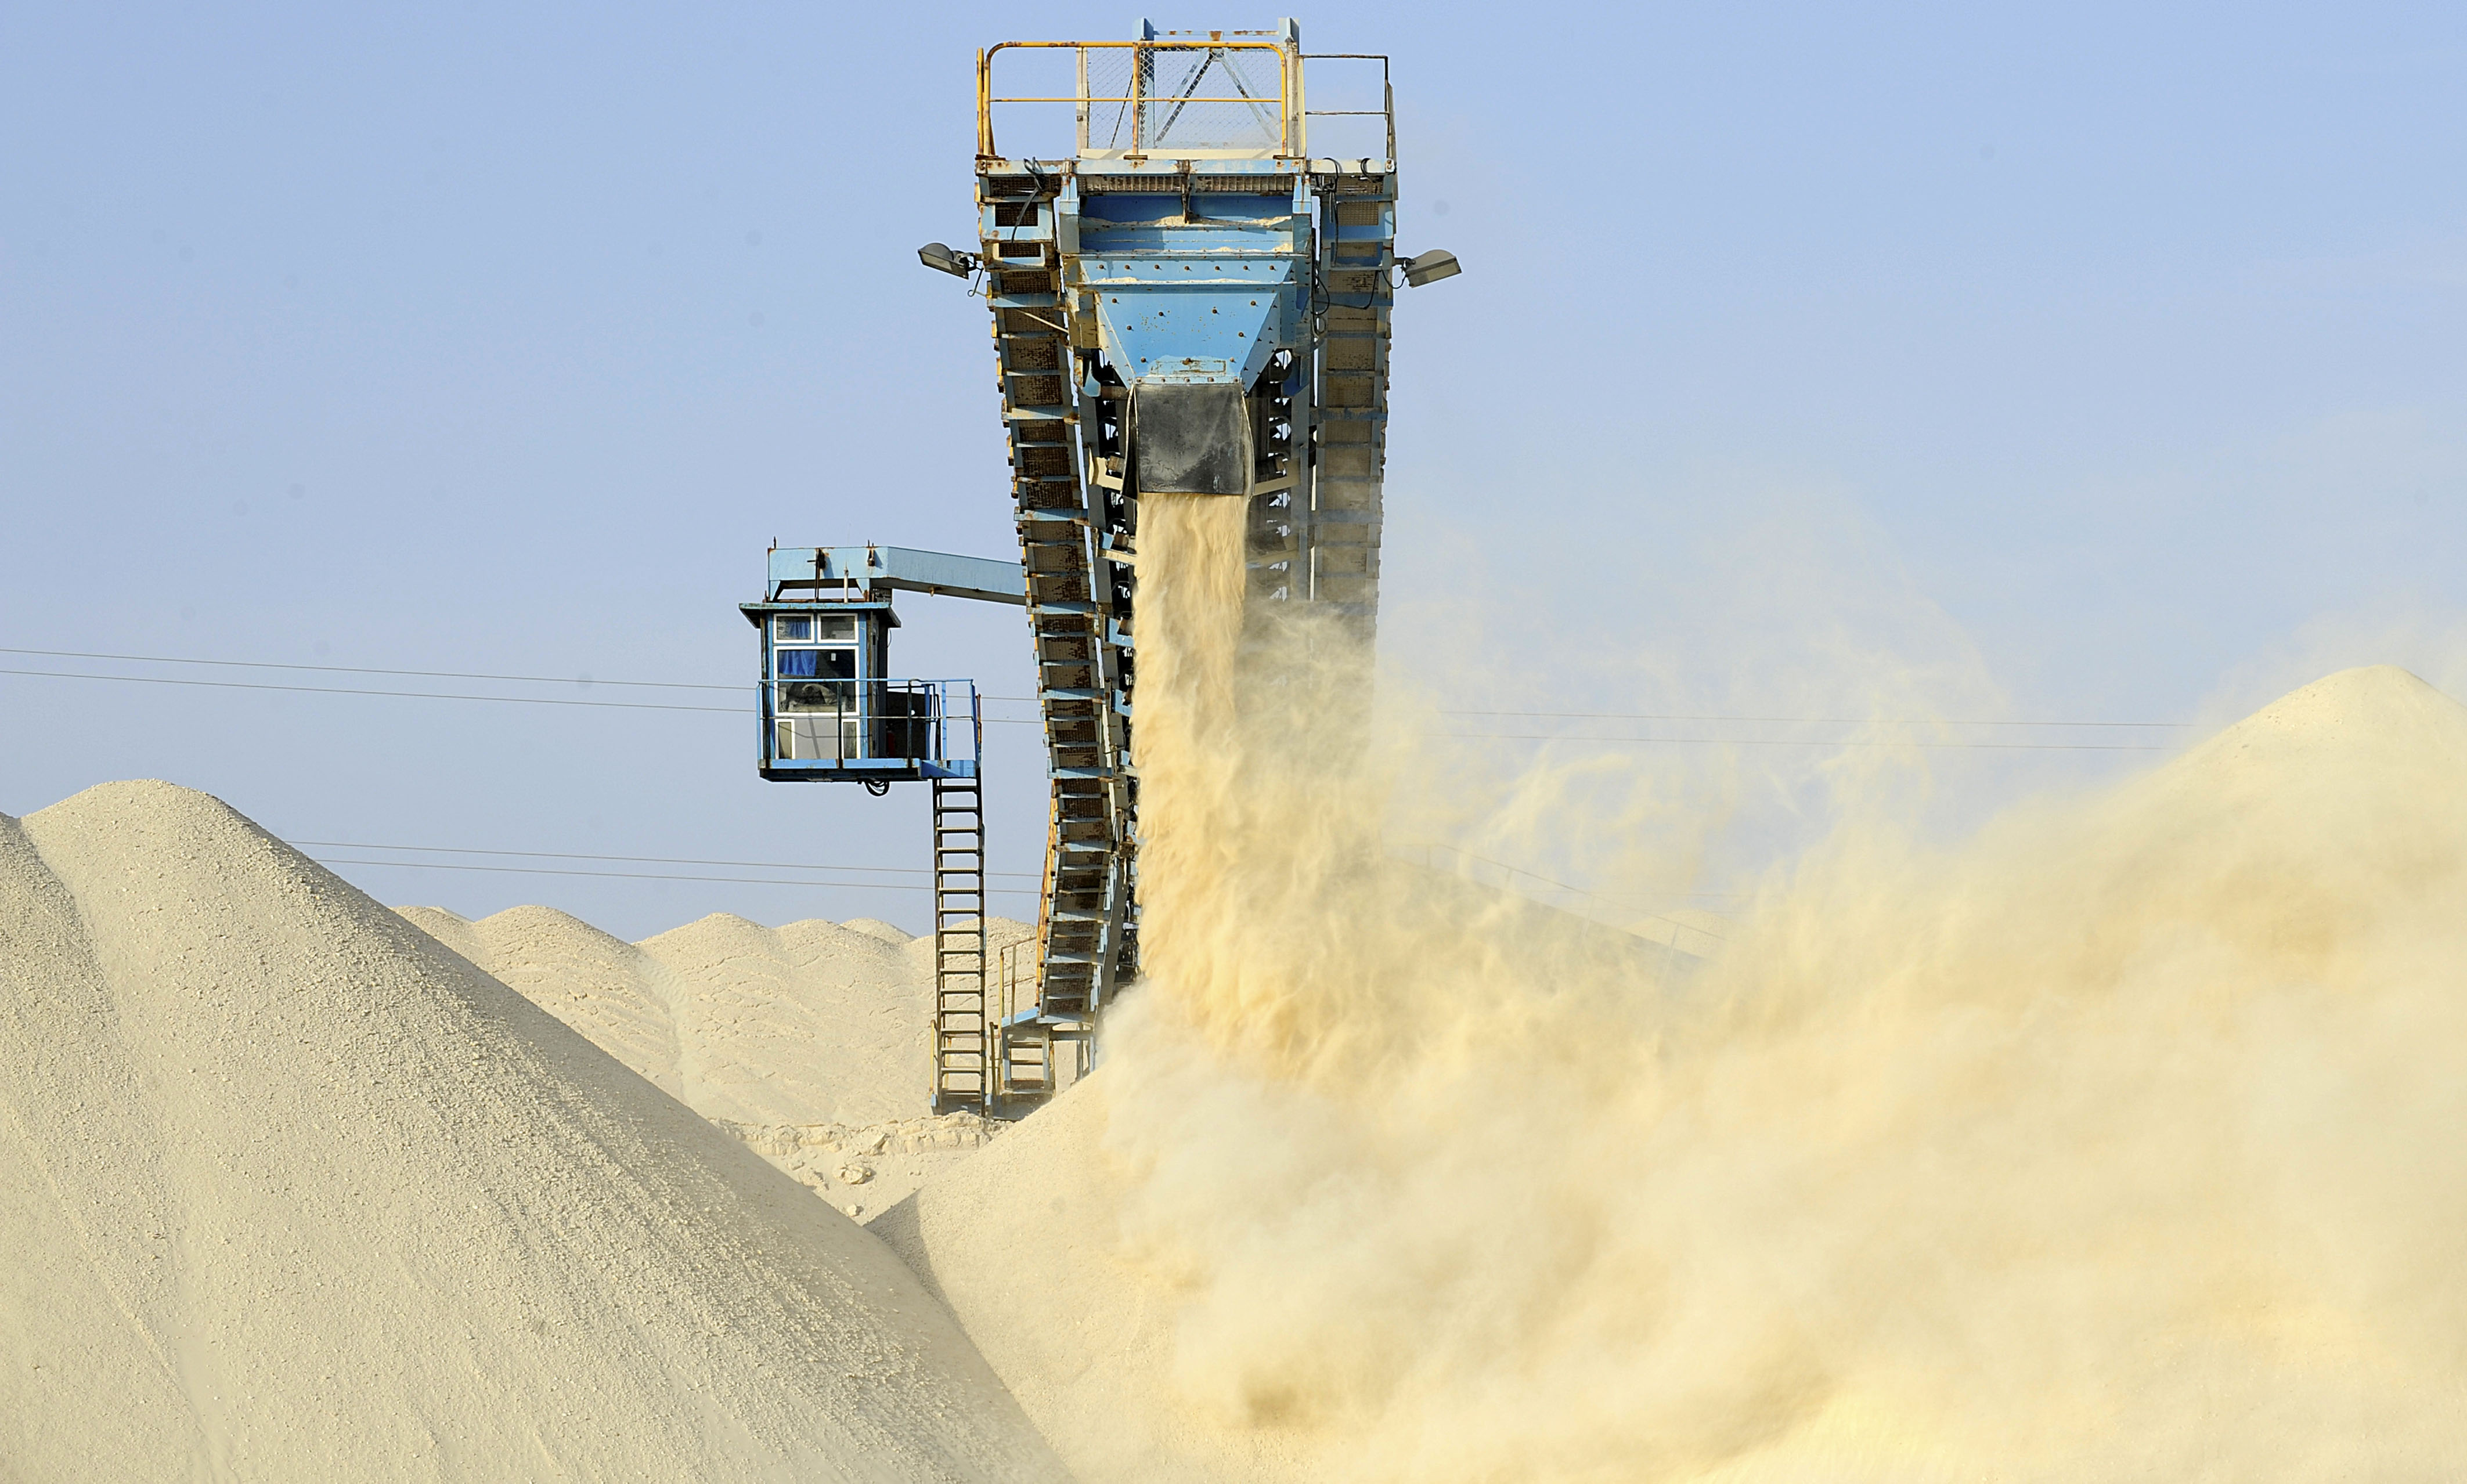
1430 267
958 265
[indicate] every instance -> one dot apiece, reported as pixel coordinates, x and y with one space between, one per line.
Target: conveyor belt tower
1185 299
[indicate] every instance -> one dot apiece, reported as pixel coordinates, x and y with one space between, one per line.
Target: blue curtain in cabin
800 664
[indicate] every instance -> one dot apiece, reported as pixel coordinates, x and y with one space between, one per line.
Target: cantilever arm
809 568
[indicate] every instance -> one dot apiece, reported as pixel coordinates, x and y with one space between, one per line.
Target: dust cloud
2120 1140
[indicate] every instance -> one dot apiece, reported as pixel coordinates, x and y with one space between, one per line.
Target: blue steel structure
1185 299
830 711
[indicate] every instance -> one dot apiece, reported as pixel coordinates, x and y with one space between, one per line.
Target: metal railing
1123 110
1012 977
841 722
1385 112
1135 98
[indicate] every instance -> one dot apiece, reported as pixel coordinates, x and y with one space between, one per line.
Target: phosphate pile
811 1043
288 1193
2119 1143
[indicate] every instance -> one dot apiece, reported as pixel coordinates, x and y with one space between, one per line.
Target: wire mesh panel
1105 113
1211 97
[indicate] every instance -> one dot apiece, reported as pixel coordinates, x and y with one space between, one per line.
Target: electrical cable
638 860
439 695
1813 721
422 695
355 669
756 881
672 684
411 695
2001 747
878 870
1030 721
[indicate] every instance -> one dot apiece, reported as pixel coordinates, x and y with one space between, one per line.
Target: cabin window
817 680
810 628
817 663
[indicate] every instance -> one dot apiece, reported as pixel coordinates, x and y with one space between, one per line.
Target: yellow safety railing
1152 115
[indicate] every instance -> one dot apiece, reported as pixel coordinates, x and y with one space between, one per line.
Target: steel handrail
1386 92
1291 75
869 713
1094 99
1289 93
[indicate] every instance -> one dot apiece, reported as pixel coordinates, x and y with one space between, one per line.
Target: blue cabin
830 709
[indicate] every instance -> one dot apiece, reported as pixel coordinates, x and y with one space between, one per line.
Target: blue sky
2107 354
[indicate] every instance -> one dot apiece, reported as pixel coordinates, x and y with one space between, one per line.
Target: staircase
1357 244
1315 522
1078 606
962 1063
1024 1045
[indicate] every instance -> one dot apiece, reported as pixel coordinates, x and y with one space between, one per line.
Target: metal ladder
1357 237
1315 537
961 1066
1023 1047
1077 609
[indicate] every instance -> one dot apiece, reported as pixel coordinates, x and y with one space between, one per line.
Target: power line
2012 746
759 881
756 881
1813 721
354 670
876 871
439 695
637 860
413 695
672 684
734 711
1029 721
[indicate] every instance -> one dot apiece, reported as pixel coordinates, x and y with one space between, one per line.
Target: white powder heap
2117 1143
287 1193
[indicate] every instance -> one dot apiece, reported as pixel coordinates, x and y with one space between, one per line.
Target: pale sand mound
876 926
2120 1144
288 1193
600 985
812 1043
813 1024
